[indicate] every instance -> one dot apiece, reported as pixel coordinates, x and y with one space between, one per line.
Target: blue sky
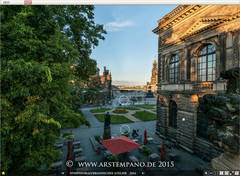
130 46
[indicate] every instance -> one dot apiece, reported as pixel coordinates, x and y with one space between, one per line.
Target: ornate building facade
195 43
106 82
154 78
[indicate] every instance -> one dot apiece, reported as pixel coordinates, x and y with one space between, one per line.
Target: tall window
173 114
174 69
207 63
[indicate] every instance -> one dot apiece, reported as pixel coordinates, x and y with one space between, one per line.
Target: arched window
172 114
174 69
207 63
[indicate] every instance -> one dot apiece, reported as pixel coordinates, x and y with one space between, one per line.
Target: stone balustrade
194 86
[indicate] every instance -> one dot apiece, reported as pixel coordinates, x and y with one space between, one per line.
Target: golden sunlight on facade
195 43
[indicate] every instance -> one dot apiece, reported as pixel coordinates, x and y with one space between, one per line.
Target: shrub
98 138
68 135
111 158
146 150
126 133
120 111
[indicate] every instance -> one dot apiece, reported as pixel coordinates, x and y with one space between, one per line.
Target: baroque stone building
101 88
154 78
106 82
195 43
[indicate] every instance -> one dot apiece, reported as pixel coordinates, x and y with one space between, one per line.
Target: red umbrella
163 151
145 137
69 156
120 144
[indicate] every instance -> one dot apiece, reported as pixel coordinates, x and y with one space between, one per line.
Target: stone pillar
160 44
222 41
107 133
188 64
236 49
107 128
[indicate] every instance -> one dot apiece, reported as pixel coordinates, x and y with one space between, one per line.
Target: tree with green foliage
39 46
223 110
93 90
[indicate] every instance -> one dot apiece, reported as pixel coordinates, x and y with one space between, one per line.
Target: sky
130 46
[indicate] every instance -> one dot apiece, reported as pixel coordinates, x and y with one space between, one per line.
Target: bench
135 140
173 156
149 139
80 159
77 151
154 157
133 158
76 144
56 165
58 145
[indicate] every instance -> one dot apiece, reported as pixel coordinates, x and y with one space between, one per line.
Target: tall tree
39 44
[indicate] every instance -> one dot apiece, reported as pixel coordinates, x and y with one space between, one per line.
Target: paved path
83 133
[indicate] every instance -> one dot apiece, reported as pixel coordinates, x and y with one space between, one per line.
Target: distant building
106 82
195 43
154 78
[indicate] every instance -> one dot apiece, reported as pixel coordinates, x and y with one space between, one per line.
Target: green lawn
115 119
147 106
131 108
145 116
100 110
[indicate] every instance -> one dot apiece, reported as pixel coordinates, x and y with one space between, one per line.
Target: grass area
146 106
120 111
145 116
131 108
115 119
100 110
68 135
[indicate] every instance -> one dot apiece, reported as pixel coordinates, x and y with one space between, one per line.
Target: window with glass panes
174 69
172 114
207 63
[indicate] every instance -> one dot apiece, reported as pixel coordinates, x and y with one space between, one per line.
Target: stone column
222 49
107 128
188 64
107 133
236 49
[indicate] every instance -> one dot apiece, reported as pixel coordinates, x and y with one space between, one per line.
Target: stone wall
161 120
184 32
185 133
186 129
205 149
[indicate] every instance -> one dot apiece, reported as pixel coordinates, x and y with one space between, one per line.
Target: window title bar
96 2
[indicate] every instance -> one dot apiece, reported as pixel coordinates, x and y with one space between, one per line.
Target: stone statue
224 111
107 129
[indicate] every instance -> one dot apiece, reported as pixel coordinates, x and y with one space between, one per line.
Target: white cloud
118 25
